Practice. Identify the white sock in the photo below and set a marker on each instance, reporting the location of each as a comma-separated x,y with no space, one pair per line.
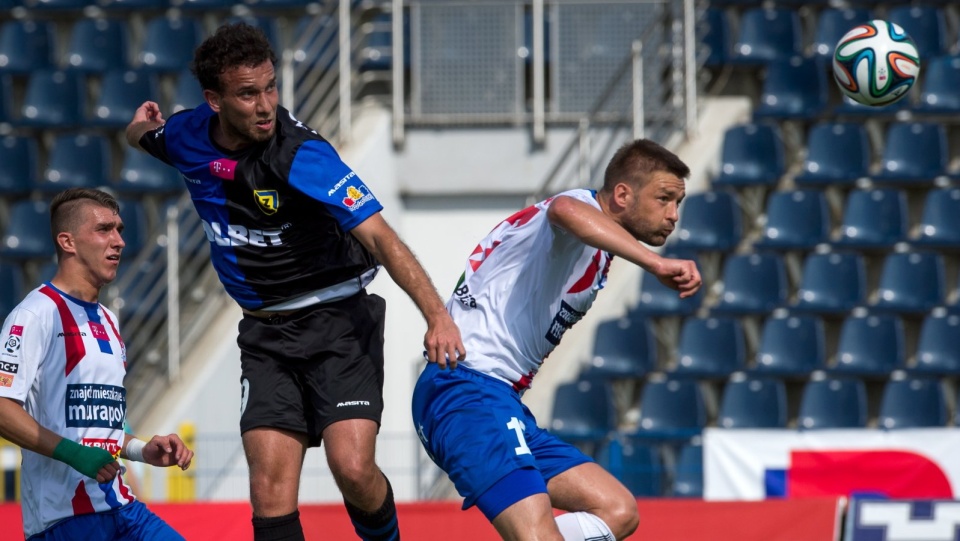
583,527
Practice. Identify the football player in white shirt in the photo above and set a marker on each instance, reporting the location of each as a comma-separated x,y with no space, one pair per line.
526,283
62,398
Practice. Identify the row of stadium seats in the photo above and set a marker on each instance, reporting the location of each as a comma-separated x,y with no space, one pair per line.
124,6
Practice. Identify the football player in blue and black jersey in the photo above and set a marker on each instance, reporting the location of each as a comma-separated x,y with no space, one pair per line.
295,237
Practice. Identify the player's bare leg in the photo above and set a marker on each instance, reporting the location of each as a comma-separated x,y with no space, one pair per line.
275,458
591,489
530,519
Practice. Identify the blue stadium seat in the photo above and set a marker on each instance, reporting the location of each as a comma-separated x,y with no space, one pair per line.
19,172
938,348
752,154
11,287
132,5
281,4
377,51
77,160
767,34
910,402
623,347
752,284
658,300
7,116
941,79
798,219
791,346
794,87
169,43
636,465
187,94
710,348
716,37
709,221
832,24
833,402
914,153
837,154
135,228
122,92
56,5
940,224
926,26
670,409
753,402
97,45
141,173
583,410
871,345
28,234
873,219
832,283
54,99
268,25
911,282
688,477
203,5
26,45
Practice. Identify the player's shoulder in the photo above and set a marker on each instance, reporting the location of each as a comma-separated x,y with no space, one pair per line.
35,306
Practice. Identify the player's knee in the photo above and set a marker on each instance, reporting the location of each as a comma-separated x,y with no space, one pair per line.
354,474
622,516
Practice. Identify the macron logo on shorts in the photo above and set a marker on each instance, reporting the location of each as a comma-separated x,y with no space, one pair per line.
353,403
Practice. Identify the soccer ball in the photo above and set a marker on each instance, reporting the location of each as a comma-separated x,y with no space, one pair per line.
876,63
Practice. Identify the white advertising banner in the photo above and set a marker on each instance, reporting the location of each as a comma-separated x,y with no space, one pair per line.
759,464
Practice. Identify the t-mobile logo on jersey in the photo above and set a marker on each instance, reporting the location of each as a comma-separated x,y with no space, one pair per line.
564,319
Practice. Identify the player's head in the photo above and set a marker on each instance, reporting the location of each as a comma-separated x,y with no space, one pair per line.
644,184
235,70
86,229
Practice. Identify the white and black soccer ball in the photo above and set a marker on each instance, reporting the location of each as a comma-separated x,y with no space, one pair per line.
876,63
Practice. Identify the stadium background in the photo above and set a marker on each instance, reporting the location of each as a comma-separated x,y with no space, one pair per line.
827,232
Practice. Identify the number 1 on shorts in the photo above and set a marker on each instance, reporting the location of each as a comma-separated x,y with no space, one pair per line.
517,426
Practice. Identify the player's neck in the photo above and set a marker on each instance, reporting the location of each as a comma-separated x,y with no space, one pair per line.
77,286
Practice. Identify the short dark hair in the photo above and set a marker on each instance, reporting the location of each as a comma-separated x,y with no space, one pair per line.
636,160
64,215
231,46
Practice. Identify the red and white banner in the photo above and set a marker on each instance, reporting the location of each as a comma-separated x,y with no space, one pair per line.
758,464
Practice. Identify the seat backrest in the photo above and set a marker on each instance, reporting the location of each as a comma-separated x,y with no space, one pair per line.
187,93
833,402
910,402
767,34
794,87
941,78
836,152
671,408
142,173
874,218
940,222
11,287
751,154
26,45
911,282
583,410
753,402
657,299
796,219
914,151
791,346
753,284
54,99
19,158
688,478
97,45
832,24
871,345
135,229
122,92
77,160
169,43
28,234
710,347
716,36
938,348
925,25
623,347
709,221
637,465
832,282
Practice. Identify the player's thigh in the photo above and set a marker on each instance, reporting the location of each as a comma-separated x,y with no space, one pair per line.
138,523
274,453
588,487
351,444
528,519
89,527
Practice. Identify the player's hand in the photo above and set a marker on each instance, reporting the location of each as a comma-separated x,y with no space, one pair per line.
166,451
443,343
108,473
679,274
148,111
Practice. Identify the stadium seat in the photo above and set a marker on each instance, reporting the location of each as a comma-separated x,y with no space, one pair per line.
268,25
26,45
623,347
832,283
767,34
911,282
670,409
97,45
941,79
871,345
122,92
752,154
203,5
793,88
135,228
716,37
54,99
709,221
28,234
688,477
940,224
281,4
710,348
169,44
832,24
19,172
187,94
910,402
636,465
938,348
377,51
791,346
837,154
914,153
77,161
873,219
658,300
752,284
753,402
132,5
11,287
141,173
7,116
832,402
583,410
798,219
55,5
926,26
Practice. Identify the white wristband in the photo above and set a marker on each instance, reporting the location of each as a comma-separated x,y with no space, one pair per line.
135,449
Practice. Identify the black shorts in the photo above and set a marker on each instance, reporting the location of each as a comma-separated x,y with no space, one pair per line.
316,366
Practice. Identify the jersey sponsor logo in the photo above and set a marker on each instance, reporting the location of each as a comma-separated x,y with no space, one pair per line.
340,183
16,330
12,368
268,200
111,446
357,197
93,405
352,403
6,380
238,235
224,168
564,319
70,333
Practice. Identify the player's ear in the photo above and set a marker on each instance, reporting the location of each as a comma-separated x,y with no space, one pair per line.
66,242
623,194
213,100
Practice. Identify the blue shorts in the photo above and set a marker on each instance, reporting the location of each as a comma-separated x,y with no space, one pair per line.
132,522
478,431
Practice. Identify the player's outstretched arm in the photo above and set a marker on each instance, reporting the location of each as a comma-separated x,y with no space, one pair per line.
17,426
442,341
596,229
161,451
147,117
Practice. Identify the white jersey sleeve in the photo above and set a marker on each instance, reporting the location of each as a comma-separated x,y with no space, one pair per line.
26,344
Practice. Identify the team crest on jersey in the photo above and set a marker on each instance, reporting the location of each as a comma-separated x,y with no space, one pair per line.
269,200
